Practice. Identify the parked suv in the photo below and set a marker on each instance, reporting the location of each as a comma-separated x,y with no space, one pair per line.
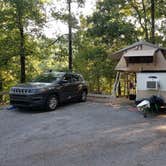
48,90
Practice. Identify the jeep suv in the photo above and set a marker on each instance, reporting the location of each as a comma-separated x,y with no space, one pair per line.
48,90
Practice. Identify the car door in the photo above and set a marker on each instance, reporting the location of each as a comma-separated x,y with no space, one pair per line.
67,87
76,85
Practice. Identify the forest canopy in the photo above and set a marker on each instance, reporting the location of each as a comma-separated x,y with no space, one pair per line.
25,51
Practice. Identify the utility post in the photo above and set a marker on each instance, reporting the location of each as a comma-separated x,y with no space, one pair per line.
70,36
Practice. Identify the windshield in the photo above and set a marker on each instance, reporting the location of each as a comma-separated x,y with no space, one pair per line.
48,78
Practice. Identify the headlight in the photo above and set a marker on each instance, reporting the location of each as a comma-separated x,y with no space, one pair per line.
41,90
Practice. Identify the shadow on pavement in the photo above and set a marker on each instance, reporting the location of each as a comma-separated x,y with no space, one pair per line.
42,110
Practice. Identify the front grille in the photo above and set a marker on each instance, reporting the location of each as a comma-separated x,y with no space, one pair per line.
21,91
29,98
25,100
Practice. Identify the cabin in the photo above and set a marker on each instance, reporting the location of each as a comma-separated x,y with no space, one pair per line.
141,71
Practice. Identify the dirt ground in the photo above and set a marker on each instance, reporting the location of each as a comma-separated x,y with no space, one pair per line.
82,134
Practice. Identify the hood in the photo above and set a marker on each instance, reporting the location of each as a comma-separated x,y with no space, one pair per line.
30,88
33,85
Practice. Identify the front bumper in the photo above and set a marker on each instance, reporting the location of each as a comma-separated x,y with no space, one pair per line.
27,100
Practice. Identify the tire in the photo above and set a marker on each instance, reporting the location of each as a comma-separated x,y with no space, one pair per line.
19,108
52,103
83,96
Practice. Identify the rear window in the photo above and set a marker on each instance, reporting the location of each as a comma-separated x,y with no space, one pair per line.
77,78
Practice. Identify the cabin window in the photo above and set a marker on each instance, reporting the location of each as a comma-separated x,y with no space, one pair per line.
148,59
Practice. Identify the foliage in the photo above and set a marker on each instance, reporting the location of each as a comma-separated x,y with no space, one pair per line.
110,24
113,25
19,15
142,15
93,61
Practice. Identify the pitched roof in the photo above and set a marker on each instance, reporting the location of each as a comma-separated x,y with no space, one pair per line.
140,53
138,44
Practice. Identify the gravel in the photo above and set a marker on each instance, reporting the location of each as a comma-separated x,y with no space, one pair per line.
82,134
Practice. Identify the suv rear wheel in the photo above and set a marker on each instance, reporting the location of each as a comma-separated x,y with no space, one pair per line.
52,103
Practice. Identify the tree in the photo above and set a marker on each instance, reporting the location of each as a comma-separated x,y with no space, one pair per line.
110,25
139,11
129,21
8,40
24,13
153,21
92,60
72,22
70,36
146,14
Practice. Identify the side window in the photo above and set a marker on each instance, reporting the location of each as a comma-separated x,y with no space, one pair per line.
75,78
67,78
81,78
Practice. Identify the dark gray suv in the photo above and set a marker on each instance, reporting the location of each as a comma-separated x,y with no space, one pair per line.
48,90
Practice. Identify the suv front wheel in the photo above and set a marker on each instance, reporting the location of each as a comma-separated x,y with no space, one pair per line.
83,96
52,103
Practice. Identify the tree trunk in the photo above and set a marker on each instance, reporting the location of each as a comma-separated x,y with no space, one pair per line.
153,21
145,21
22,56
98,84
22,43
70,37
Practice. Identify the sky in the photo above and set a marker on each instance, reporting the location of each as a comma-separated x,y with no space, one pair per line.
55,28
